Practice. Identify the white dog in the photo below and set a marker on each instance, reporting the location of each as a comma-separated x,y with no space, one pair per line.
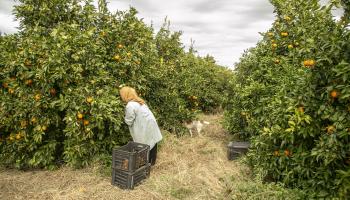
197,125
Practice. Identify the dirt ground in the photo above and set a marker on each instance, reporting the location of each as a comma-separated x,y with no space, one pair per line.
187,168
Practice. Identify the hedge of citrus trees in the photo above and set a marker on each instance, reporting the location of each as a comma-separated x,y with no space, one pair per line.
60,76
291,99
203,83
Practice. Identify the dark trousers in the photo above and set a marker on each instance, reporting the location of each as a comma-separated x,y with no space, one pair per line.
153,155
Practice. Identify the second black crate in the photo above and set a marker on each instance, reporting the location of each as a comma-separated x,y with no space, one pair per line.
130,157
128,180
236,149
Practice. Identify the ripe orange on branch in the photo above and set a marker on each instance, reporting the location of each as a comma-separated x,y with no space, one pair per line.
116,57
53,91
287,153
86,122
287,18
43,128
27,63
5,85
33,120
284,34
89,99
334,94
29,82
37,97
80,116
301,109
330,129
309,63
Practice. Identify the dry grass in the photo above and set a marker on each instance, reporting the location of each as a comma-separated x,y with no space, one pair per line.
187,168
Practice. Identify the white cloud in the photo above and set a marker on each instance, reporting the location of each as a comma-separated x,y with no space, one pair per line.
220,28
7,20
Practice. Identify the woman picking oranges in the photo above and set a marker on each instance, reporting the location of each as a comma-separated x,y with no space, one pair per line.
141,121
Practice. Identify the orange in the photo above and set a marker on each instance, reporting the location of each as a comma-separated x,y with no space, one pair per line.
274,45
120,46
33,120
116,57
306,63
24,123
309,63
276,153
80,116
334,94
37,97
89,99
29,82
27,63
301,109
277,61
290,46
44,128
312,62
287,18
330,129
287,152
86,122
5,85
53,91
284,34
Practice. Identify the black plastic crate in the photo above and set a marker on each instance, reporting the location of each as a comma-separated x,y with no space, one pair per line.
128,180
131,156
236,149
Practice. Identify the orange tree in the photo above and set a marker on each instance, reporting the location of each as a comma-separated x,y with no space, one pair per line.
204,83
60,78
200,82
291,99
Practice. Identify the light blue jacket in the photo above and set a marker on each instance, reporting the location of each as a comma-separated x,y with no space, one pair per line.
142,124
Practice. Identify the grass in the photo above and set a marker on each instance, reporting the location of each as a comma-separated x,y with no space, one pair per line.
186,168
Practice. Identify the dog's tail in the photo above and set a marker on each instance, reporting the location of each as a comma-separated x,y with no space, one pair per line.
205,122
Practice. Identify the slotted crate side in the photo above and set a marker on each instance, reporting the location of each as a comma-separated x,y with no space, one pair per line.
236,149
131,156
128,180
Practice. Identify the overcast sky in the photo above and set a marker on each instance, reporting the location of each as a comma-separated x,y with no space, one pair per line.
221,28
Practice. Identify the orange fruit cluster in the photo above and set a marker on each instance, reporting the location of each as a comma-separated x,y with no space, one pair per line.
309,63
284,34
